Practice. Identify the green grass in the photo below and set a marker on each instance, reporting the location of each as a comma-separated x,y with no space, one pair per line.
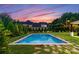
16,38
66,36
30,49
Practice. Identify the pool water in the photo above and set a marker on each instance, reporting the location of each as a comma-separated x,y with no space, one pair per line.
40,39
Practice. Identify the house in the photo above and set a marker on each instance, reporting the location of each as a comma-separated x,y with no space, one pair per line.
35,26
73,24
76,23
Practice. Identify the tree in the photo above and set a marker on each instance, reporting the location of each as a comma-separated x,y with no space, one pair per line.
4,38
5,18
62,22
20,26
11,26
9,23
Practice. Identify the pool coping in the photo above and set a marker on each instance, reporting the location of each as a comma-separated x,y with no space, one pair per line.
14,43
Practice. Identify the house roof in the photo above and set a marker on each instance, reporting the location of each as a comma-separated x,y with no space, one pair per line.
75,22
27,22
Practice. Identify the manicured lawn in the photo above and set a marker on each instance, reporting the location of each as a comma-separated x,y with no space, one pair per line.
16,38
66,36
47,49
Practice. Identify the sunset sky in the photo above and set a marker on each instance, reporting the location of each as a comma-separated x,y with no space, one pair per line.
37,12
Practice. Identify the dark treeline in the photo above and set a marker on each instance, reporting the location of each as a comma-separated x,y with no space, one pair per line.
63,23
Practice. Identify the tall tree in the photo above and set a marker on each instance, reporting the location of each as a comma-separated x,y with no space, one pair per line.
5,18
4,38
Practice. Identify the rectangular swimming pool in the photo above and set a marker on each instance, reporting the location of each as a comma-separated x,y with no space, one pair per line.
40,39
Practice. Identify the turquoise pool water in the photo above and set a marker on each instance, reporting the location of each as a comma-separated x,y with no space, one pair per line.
40,39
